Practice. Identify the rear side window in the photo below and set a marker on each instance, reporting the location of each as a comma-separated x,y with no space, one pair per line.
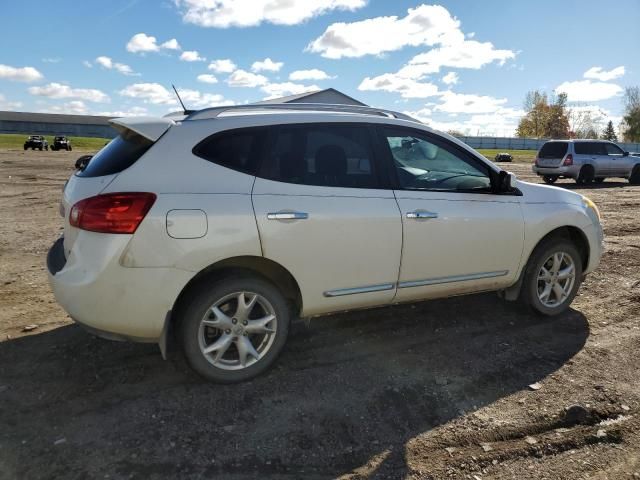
553,150
118,155
236,149
590,148
322,155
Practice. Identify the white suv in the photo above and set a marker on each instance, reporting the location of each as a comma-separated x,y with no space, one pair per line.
224,224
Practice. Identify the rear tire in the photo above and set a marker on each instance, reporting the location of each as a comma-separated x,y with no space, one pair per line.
551,293
550,179
634,178
240,354
586,175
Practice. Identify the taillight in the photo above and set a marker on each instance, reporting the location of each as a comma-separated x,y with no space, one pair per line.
112,212
536,162
568,160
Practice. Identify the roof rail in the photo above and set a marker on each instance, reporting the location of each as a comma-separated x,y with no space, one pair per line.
214,112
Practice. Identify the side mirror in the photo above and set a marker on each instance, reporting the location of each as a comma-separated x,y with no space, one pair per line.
502,181
625,154
82,162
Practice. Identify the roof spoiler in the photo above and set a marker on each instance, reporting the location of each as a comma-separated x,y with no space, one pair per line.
151,128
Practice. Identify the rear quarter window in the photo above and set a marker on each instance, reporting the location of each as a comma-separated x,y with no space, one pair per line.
235,149
118,155
553,150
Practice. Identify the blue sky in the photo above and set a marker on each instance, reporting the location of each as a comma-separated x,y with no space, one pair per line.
459,64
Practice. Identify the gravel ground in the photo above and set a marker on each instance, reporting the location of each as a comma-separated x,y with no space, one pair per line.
440,389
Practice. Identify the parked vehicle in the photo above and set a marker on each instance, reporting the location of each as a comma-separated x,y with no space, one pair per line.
585,161
36,141
504,157
61,143
224,224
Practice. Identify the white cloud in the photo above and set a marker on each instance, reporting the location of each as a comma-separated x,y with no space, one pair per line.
207,78
60,91
589,91
109,64
467,54
493,124
141,43
171,45
191,56
149,93
87,63
406,87
51,60
423,25
266,65
156,94
242,78
312,74
223,65
233,13
131,112
75,107
274,90
19,74
597,73
7,105
450,78
469,103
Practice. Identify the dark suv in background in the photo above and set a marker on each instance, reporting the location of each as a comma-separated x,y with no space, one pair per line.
36,141
61,143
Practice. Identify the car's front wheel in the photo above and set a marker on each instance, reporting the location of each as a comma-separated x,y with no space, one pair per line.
552,277
550,179
634,178
234,329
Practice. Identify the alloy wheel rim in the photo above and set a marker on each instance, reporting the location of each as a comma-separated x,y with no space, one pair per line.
556,278
237,331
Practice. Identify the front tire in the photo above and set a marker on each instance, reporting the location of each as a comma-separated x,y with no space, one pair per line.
234,329
550,179
552,277
634,178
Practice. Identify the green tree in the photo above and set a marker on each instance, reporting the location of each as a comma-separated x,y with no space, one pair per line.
545,118
631,119
610,133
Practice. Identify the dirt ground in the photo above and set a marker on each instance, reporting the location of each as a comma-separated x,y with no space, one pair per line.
433,390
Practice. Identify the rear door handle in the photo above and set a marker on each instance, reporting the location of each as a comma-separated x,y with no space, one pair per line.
419,215
287,216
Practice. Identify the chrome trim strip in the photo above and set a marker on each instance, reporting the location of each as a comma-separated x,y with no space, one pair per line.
455,278
353,291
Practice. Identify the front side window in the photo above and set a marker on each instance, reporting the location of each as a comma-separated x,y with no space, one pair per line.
425,164
613,149
322,155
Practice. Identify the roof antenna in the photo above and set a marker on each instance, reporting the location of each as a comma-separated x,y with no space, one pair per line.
186,112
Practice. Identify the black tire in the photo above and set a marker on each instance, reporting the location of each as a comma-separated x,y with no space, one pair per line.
40,148
598,180
550,179
530,284
25,147
202,299
634,178
586,175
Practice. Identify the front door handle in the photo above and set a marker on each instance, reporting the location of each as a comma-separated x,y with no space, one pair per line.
419,214
287,216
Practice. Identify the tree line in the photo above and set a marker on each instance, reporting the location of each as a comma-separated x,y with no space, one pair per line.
549,116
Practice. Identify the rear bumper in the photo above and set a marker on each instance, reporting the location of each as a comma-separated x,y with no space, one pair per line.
570,171
112,301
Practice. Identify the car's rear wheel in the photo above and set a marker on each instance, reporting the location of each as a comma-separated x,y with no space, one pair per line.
233,330
552,277
634,178
550,179
586,175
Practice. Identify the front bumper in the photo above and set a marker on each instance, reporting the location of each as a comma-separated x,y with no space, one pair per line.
112,301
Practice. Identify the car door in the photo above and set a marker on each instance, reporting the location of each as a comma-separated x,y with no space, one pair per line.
618,163
458,236
323,214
